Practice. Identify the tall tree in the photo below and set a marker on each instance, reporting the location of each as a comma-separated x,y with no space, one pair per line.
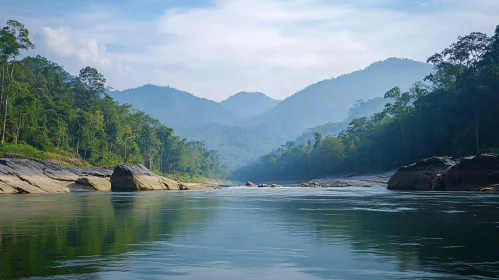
14,37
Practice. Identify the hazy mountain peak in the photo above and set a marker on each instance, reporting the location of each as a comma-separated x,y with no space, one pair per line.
249,104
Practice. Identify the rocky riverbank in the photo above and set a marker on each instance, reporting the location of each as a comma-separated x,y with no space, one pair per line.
22,175
366,180
379,179
474,173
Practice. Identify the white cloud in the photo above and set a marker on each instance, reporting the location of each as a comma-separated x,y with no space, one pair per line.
86,50
273,46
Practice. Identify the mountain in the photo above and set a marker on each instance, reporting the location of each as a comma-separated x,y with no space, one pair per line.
177,109
240,138
249,104
329,100
360,109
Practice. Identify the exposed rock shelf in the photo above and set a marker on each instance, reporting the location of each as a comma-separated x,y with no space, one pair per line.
22,175
446,174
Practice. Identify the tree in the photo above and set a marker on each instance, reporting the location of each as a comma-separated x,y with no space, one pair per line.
13,38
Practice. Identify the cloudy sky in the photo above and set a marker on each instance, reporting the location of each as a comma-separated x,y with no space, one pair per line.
215,48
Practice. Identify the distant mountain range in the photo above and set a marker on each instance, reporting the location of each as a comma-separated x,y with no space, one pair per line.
249,104
247,125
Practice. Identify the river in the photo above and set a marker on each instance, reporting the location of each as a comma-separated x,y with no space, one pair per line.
244,233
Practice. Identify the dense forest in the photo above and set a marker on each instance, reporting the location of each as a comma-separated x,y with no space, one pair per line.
44,107
454,111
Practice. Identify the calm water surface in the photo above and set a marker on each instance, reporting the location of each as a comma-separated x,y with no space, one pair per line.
241,233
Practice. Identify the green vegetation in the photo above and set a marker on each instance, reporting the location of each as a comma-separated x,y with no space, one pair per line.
24,149
48,109
454,112
242,140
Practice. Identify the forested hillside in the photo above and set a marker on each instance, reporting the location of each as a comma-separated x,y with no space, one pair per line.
454,112
47,108
240,139
360,109
329,100
249,104
175,108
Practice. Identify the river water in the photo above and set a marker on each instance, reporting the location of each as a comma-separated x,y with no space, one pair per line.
242,233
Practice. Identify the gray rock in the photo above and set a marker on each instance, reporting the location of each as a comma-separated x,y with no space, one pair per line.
471,173
421,175
129,177
28,175
97,183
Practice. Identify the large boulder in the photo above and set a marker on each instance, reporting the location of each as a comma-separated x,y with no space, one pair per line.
250,184
471,173
129,177
422,175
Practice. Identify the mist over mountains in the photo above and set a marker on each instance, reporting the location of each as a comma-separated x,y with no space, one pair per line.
248,125
249,104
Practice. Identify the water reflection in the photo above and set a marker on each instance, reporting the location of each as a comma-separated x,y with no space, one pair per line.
39,234
288,234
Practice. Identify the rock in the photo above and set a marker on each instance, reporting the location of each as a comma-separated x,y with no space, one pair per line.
491,189
28,175
274,186
128,177
198,186
250,184
471,173
97,183
421,175
263,186
93,171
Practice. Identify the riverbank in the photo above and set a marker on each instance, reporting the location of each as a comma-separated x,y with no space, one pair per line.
379,179
373,179
26,175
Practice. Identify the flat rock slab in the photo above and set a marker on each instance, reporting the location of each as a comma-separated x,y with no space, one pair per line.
97,183
26,175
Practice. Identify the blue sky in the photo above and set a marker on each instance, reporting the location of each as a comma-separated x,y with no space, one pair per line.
215,48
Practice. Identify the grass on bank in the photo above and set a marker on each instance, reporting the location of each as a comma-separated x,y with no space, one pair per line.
26,150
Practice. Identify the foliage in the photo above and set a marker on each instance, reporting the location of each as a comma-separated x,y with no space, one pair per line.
53,111
24,149
454,112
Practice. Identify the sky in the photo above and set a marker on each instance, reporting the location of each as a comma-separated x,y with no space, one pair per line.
216,48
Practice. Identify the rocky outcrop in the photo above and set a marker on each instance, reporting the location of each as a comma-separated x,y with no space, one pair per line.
94,171
250,184
446,174
471,173
198,186
22,175
490,189
128,177
269,186
96,183
27,175
421,175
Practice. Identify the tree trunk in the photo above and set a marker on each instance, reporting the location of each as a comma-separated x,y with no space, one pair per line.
18,128
4,65
477,136
7,101
125,159
5,117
